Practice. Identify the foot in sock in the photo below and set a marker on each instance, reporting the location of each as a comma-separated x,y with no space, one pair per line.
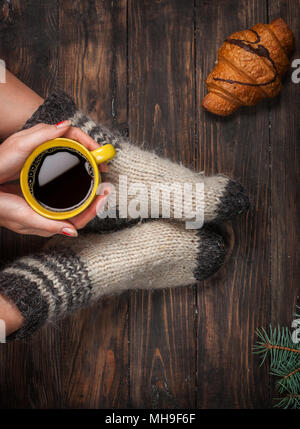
218,198
72,273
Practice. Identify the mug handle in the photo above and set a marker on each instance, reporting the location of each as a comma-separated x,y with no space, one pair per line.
104,153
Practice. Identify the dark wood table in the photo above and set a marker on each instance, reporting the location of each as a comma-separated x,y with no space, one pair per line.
140,66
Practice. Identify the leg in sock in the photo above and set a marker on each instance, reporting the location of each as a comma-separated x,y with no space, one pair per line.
223,198
72,273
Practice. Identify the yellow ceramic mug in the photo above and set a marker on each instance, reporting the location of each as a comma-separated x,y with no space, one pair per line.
94,158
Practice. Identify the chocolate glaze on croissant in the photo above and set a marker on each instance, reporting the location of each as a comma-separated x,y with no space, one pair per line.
250,67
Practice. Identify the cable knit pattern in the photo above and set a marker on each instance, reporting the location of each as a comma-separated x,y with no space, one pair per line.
74,272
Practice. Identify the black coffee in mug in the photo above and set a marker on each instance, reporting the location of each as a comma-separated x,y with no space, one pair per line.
61,179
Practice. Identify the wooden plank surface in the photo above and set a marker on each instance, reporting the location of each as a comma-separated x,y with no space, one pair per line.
285,203
31,54
92,66
81,362
161,117
141,66
239,147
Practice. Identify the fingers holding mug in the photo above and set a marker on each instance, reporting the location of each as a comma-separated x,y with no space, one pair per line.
87,141
81,137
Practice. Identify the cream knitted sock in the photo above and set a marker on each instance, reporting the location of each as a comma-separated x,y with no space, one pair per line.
73,272
218,197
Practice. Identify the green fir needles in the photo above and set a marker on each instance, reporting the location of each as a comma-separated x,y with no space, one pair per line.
283,348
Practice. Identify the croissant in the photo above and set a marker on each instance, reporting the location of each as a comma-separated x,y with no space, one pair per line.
250,67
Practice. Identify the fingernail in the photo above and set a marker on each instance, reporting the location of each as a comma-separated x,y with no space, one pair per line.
70,232
63,124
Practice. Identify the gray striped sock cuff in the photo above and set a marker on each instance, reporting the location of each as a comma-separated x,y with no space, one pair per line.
31,303
45,287
58,107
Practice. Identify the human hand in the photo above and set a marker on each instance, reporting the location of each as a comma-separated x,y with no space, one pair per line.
15,213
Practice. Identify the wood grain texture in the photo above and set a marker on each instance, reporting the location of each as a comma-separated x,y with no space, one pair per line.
140,66
92,37
82,361
161,117
285,171
232,304
31,54
285,202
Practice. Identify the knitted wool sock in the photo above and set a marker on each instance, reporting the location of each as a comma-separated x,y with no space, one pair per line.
223,198
72,273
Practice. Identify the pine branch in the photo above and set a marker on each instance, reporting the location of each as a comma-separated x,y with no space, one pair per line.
292,373
288,401
289,378
274,347
279,345
284,363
